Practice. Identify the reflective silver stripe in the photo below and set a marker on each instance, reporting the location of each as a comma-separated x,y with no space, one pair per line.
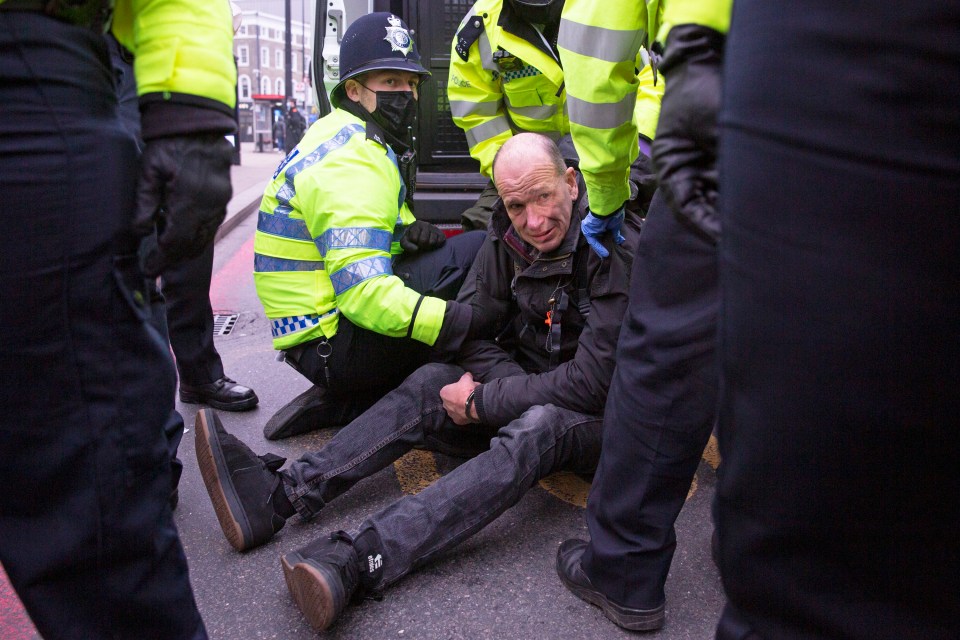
464,108
264,264
601,116
355,273
354,238
486,54
611,45
280,225
540,112
486,131
292,324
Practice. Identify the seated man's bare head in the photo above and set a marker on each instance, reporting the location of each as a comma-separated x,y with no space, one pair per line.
537,188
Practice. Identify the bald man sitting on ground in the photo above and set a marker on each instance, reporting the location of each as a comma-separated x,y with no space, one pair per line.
521,413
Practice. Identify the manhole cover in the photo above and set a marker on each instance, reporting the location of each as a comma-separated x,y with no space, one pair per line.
223,323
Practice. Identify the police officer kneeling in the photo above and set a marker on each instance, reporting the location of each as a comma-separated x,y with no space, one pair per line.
354,286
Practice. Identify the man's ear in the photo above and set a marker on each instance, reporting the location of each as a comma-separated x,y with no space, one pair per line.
352,89
570,176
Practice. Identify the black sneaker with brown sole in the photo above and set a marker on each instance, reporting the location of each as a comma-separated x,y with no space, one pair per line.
240,484
322,577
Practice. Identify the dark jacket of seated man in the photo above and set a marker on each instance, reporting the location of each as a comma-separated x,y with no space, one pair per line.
524,402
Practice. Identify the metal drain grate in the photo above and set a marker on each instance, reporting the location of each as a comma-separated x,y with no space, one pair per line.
223,323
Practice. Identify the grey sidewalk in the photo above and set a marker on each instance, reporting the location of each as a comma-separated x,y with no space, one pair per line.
249,179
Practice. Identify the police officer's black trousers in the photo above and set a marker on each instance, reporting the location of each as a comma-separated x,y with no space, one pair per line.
86,532
839,427
186,289
659,413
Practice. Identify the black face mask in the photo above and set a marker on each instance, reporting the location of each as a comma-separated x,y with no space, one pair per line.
396,111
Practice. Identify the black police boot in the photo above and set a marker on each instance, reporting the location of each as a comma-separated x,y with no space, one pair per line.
224,394
307,412
324,576
245,489
573,577
316,408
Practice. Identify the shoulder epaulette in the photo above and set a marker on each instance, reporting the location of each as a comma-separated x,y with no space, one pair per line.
467,35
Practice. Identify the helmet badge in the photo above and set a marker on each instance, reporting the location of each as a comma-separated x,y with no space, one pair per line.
398,37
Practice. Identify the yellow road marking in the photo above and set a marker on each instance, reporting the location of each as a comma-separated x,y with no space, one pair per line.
417,470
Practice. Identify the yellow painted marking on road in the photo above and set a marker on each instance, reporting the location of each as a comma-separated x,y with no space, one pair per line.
567,486
711,453
416,471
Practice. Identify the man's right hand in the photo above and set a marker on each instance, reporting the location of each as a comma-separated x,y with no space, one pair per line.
183,190
454,398
685,147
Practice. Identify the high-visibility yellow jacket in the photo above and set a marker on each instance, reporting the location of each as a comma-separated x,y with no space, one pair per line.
329,225
598,46
505,78
180,47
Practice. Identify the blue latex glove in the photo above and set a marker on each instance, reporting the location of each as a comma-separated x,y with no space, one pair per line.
593,227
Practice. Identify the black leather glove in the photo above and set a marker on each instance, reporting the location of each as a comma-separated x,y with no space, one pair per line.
685,147
422,236
643,181
184,189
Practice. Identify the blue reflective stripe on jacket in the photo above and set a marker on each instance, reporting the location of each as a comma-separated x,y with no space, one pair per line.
356,272
280,224
263,264
354,238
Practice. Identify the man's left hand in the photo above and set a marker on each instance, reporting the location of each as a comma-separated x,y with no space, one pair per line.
454,398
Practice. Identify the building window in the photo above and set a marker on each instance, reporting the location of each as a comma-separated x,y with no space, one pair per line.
279,58
243,56
293,62
264,85
271,34
280,86
242,31
264,57
243,83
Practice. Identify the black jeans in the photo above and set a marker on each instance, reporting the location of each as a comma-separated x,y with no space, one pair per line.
508,462
86,533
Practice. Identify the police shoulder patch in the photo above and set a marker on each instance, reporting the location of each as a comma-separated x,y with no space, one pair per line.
467,35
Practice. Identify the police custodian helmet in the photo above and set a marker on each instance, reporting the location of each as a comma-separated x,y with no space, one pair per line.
376,41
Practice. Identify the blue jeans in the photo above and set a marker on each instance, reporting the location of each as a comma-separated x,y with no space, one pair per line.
507,462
